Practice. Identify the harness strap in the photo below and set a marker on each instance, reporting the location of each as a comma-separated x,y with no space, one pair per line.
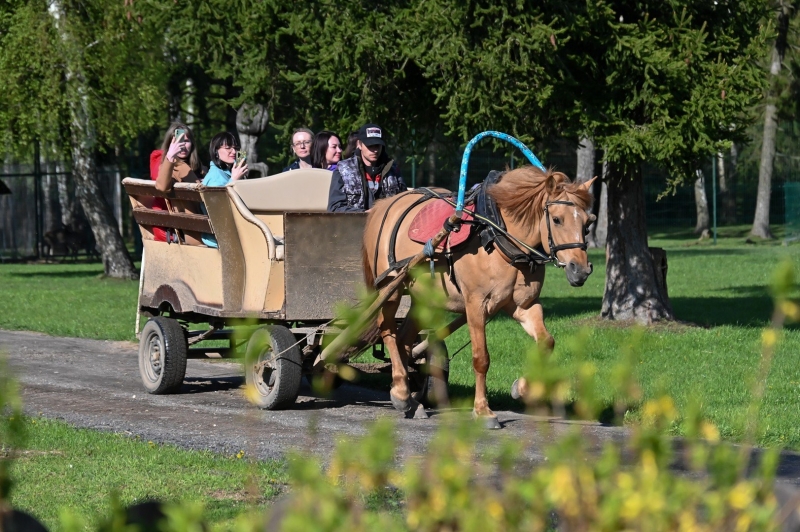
395,265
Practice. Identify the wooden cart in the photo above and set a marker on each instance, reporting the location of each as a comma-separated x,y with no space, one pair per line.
282,264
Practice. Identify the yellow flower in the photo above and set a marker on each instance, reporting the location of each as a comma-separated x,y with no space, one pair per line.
240,454
791,310
495,509
741,496
709,432
769,338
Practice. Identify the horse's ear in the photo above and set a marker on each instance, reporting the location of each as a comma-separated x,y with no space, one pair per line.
587,186
551,184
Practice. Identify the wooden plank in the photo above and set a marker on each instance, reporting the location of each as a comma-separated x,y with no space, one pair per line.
136,189
174,220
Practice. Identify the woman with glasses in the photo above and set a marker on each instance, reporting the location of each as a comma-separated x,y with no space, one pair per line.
301,146
326,150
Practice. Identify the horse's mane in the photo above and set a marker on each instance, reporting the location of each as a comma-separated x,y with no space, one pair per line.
522,193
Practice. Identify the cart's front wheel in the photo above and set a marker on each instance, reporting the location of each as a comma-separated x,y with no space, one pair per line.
432,374
162,355
273,368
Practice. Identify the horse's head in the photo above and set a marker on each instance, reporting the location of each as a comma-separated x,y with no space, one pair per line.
563,228
546,208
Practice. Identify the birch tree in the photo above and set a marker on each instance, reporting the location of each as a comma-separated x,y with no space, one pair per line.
80,76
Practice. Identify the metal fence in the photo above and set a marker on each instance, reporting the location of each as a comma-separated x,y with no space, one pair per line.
35,206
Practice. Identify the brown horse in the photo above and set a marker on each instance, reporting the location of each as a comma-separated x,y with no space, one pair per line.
486,281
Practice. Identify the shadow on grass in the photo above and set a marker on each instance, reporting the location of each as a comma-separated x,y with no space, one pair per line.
751,307
57,274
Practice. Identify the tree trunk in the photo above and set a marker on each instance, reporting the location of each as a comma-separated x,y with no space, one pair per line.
600,227
431,163
727,203
632,290
64,198
701,201
761,218
251,122
116,261
583,173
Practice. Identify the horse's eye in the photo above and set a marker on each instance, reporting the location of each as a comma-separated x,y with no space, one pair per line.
557,220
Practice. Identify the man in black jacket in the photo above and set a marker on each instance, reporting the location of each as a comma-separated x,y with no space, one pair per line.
366,176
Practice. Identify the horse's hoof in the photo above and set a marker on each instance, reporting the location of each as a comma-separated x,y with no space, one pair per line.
519,388
489,422
420,413
406,405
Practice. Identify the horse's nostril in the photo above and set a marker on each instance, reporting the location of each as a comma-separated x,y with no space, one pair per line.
573,267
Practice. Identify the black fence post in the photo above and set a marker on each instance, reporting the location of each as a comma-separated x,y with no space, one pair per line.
37,193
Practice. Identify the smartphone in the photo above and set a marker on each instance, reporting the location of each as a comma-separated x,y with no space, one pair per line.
179,132
241,158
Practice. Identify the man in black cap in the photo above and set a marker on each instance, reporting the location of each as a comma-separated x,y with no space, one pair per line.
366,176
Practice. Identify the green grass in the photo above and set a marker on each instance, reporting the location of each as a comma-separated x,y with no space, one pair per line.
64,467
67,300
719,292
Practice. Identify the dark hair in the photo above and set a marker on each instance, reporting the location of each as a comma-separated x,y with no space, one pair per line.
194,159
352,139
226,138
319,149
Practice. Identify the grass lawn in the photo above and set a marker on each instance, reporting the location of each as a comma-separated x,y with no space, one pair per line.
81,468
720,293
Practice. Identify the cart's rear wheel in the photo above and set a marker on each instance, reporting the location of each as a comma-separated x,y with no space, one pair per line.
277,384
162,355
432,374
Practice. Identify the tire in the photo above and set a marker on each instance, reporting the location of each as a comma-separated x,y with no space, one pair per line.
278,384
162,355
429,375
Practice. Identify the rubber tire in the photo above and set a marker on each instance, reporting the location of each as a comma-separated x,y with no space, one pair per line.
287,373
423,381
169,338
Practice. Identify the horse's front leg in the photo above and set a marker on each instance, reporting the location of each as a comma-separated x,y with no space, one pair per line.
476,321
387,324
532,320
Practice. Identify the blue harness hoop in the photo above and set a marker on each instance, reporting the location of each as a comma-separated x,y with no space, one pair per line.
462,180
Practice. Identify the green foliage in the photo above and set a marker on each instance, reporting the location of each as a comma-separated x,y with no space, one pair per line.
665,82
97,51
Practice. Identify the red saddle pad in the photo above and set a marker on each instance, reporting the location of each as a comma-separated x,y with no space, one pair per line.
430,220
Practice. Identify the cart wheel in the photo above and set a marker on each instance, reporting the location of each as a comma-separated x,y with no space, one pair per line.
430,374
162,355
278,383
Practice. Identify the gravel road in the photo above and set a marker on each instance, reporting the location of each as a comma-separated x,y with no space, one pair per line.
95,384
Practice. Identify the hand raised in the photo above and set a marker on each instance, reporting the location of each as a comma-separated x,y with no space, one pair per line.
239,171
175,147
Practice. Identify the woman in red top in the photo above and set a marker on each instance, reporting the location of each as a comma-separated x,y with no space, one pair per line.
176,162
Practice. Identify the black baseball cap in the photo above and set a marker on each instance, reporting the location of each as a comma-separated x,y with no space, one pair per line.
371,134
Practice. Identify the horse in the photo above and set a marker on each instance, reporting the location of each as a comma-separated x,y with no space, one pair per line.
539,208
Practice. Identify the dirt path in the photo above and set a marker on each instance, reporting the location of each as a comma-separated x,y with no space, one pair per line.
95,384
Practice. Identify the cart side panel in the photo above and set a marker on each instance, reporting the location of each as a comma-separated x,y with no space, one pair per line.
323,262
230,248
183,276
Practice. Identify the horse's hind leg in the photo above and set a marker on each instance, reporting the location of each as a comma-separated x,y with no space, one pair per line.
387,324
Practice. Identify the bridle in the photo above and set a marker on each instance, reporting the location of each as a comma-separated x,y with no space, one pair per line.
551,244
